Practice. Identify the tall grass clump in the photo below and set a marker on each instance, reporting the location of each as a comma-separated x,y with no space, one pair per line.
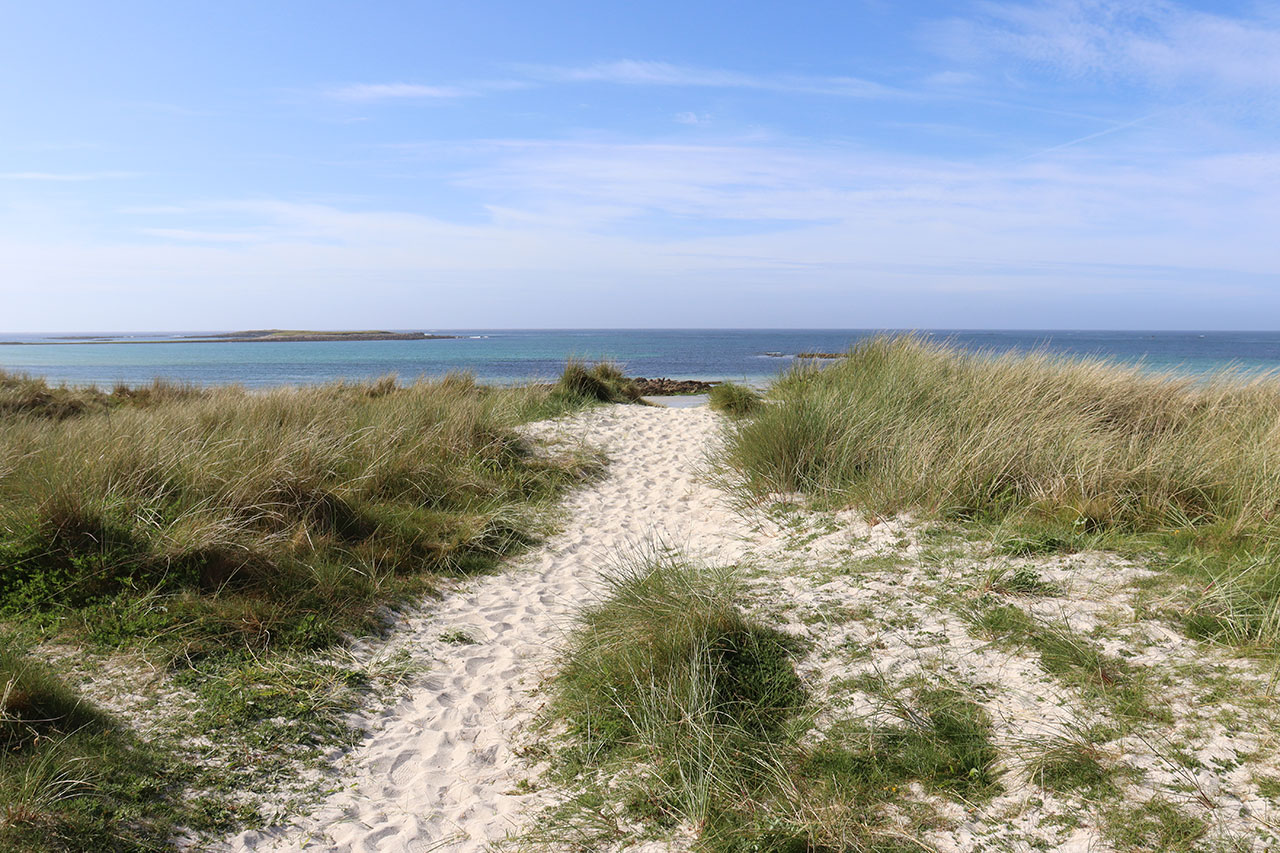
284,517
734,400
670,672
1060,450
603,382
22,395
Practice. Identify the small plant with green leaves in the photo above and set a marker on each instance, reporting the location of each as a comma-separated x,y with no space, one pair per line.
1020,580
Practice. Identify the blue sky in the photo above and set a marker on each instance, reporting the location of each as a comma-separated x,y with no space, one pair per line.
514,164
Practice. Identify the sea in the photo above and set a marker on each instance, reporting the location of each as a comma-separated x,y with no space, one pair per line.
505,356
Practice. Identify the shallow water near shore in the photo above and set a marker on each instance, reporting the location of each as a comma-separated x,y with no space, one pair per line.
504,356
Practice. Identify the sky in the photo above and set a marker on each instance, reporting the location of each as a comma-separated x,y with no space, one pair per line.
484,164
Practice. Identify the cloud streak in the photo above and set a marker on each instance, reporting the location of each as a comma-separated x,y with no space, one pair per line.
626,72
632,72
397,92
65,177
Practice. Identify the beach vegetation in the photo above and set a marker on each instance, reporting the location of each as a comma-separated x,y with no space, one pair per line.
1051,454
1070,761
22,395
234,540
683,710
1076,660
71,777
602,382
734,400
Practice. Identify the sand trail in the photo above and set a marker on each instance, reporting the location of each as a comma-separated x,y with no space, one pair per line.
440,769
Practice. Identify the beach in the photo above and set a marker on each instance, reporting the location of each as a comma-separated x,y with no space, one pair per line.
458,761
862,610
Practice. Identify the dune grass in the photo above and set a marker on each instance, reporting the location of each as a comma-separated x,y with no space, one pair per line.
603,382
71,778
233,536
668,669
1055,453
733,399
684,710
277,518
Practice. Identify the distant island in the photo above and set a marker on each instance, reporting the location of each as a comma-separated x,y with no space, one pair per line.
252,336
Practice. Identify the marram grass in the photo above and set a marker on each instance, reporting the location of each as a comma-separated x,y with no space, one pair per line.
234,534
683,708
1061,451
734,400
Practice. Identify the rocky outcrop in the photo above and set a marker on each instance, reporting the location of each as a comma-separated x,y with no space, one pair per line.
670,387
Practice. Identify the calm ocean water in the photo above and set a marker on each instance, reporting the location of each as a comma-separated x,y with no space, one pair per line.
502,356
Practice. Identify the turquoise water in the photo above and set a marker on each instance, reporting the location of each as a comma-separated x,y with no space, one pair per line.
506,355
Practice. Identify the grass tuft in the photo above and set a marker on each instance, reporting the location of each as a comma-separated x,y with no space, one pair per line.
734,400
681,709
602,382
1069,762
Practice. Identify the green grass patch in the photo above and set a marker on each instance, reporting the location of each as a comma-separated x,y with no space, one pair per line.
1154,825
1069,762
603,382
1019,580
71,778
682,709
734,400
1073,659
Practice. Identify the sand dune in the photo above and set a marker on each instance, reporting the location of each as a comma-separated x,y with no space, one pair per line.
446,767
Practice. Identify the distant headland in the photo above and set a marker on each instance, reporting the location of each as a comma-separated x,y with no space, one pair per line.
252,336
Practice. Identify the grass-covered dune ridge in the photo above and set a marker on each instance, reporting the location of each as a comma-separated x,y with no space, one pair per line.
267,513
228,538
903,423
1064,453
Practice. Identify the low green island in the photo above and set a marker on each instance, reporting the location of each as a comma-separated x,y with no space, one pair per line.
249,337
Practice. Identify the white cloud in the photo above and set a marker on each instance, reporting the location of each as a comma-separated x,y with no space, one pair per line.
397,91
632,72
692,118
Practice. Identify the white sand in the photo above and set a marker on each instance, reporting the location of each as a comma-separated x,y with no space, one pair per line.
444,770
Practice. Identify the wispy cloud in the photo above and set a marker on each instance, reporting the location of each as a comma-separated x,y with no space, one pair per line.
397,91
1151,41
65,177
369,92
632,72
625,72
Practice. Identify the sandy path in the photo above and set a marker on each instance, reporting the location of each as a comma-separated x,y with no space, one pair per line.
439,770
